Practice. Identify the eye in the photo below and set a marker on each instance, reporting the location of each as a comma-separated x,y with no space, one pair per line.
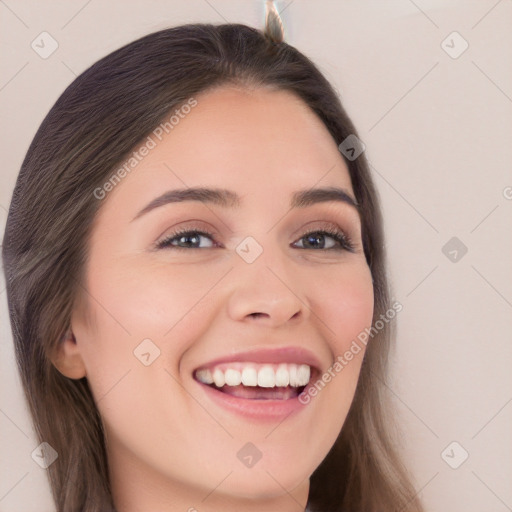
317,240
312,240
186,239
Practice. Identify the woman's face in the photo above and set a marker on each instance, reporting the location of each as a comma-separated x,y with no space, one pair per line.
257,298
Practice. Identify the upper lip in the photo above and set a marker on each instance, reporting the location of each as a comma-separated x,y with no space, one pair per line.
290,354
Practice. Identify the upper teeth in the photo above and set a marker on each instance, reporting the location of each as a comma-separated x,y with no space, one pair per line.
252,374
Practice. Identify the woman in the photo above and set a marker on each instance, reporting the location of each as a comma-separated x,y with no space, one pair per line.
195,272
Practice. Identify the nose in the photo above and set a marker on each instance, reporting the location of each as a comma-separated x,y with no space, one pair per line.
266,292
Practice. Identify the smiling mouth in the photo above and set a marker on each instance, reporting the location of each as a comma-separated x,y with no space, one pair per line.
253,381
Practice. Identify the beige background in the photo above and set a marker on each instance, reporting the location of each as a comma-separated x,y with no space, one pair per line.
438,132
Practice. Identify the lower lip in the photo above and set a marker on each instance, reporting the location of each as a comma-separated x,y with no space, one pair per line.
255,409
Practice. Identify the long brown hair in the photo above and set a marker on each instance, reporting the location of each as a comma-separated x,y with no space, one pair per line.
94,125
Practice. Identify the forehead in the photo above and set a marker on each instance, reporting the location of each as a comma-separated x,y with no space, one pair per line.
260,142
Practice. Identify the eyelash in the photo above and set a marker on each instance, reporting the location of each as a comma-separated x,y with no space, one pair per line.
344,241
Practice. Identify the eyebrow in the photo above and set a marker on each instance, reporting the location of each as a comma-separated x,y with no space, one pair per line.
229,199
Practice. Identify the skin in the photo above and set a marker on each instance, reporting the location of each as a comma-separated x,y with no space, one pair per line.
170,447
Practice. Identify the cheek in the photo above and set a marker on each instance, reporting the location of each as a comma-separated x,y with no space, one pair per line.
342,306
131,303
345,304
150,300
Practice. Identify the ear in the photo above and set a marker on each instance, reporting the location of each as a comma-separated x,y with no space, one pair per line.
67,358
